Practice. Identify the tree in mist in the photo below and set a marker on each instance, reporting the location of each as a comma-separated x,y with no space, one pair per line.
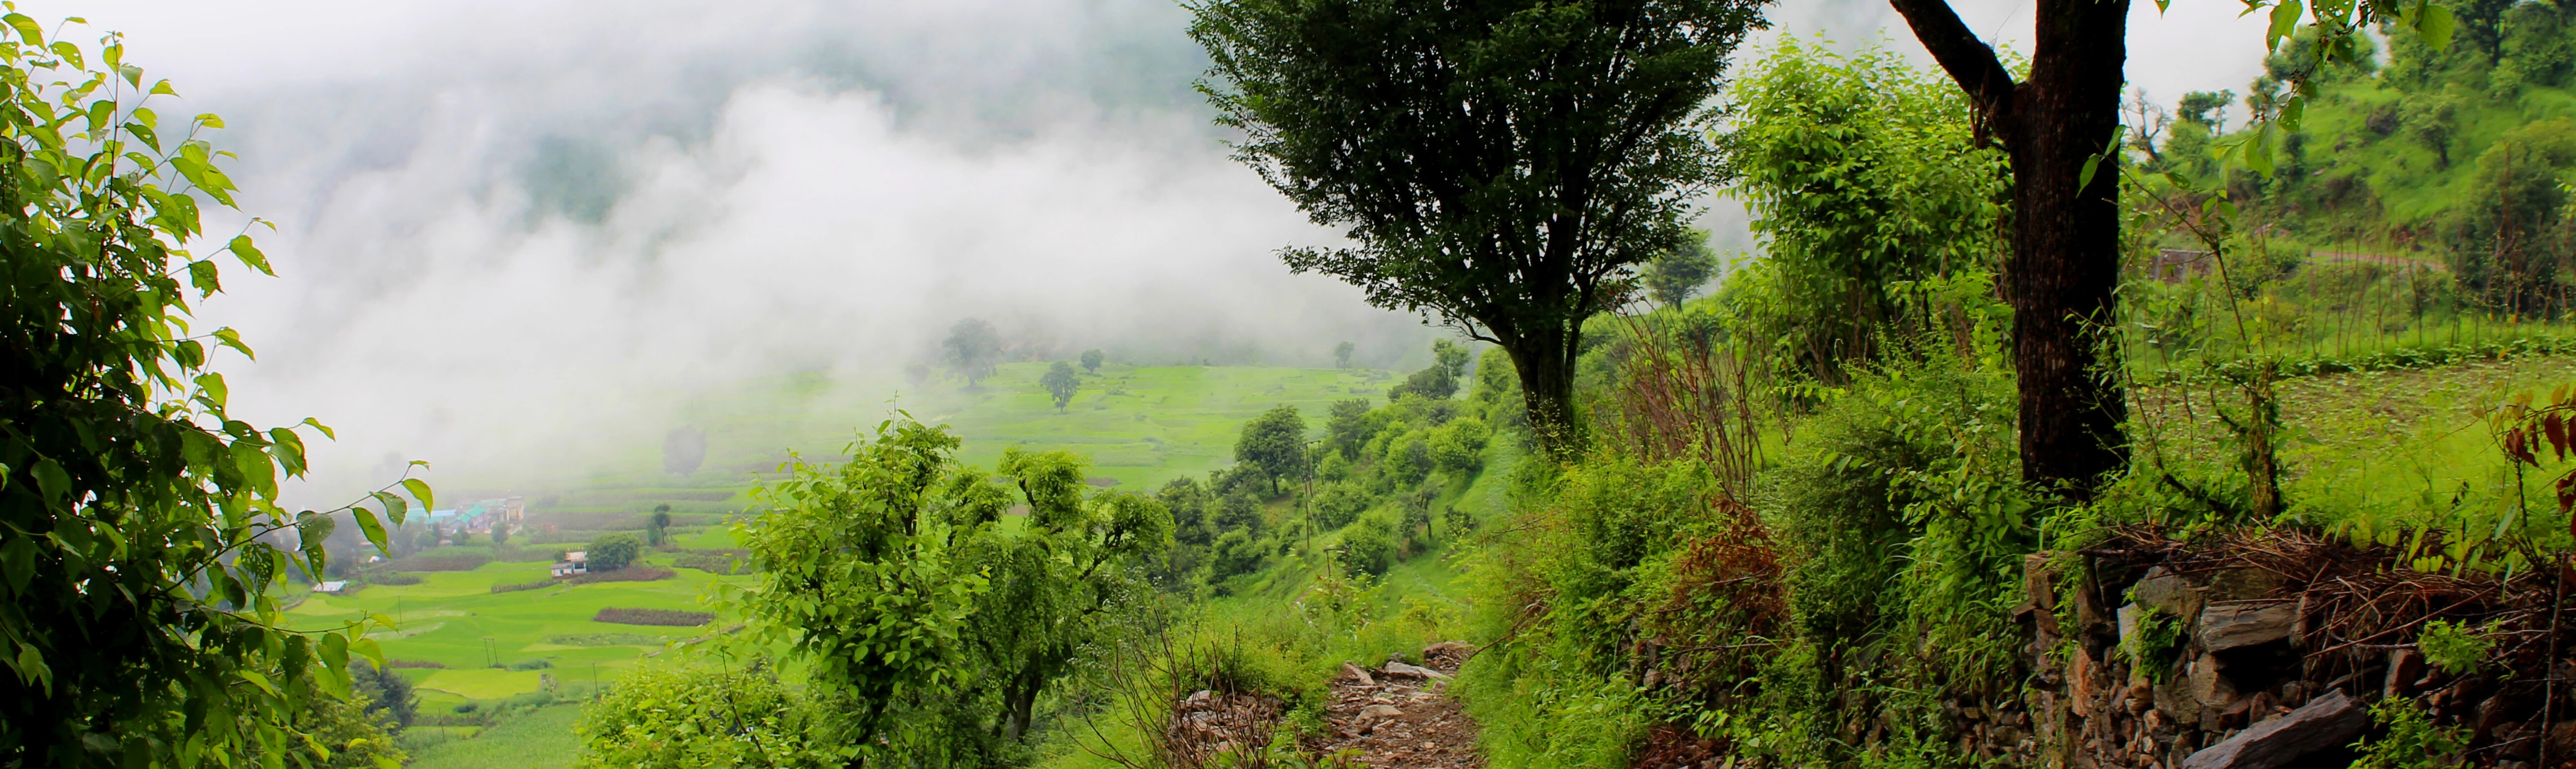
661,528
683,450
1342,355
1062,383
971,350
1274,442
1676,274
1440,379
1091,360
1499,166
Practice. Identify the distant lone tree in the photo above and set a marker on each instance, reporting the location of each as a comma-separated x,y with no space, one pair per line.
1677,274
1091,360
1061,382
683,450
500,534
1274,442
661,525
971,350
1498,166
1448,362
1342,355
613,551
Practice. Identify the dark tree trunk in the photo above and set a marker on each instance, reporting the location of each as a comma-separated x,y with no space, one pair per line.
1544,359
2065,264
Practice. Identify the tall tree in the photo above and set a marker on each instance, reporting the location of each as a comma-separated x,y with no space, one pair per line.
971,350
2065,259
1677,274
1342,355
1061,383
1498,164
1091,360
1275,442
2058,128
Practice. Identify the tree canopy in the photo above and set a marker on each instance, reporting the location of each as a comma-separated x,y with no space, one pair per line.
1499,166
1676,274
1440,379
972,350
614,550
1091,360
1061,383
1274,442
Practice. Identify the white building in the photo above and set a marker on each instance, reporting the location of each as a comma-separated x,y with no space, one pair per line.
575,562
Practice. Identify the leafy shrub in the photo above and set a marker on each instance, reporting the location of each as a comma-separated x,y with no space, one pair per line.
701,715
1337,504
415,664
1459,446
525,665
1237,552
2454,648
614,550
2411,741
1369,545
668,617
394,578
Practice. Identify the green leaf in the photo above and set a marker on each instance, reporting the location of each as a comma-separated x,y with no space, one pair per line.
2285,20
51,481
395,507
69,52
27,29
250,255
326,429
212,384
419,490
366,647
256,679
229,338
163,88
210,120
373,528
2435,24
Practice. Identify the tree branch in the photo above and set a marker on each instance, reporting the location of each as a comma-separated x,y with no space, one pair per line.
1968,60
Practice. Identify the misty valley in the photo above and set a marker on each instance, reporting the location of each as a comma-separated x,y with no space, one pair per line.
1306,384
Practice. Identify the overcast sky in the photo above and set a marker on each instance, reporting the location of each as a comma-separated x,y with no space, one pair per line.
514,232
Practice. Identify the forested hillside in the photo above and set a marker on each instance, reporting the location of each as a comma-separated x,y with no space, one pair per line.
2278,471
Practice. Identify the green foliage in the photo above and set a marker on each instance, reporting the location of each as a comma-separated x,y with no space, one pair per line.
1442,136
1091,360
614,550
1061,383
2156,643
971,350
1275,443
1369,545
1677,274
2412,741
1440,380
1863,182
698,714
142,540
1342,355
2454,648
931,628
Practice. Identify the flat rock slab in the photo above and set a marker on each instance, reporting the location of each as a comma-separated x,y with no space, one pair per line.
2236,625
1401,670
2325,722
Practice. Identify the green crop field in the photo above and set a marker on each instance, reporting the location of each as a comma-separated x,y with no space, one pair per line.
1141,426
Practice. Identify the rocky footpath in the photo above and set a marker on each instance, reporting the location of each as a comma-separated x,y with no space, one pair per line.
1399,715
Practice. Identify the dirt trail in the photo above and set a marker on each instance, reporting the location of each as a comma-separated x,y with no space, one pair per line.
1399,715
